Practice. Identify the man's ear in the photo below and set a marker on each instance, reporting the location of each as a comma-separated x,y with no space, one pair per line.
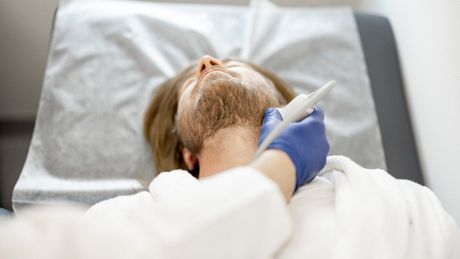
190,159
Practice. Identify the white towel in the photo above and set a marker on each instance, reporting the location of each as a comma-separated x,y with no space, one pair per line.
353,212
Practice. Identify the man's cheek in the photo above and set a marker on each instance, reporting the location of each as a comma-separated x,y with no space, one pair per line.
183,104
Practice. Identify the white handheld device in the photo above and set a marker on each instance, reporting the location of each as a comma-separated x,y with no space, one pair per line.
296,110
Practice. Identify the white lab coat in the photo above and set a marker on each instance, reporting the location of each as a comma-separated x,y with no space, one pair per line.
237,214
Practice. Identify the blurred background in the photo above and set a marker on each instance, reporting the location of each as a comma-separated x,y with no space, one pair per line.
427,35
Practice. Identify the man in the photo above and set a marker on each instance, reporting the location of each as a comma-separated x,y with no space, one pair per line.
209,117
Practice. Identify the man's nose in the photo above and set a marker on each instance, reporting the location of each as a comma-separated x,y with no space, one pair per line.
207,62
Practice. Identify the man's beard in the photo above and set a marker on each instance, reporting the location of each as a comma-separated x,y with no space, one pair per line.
221,104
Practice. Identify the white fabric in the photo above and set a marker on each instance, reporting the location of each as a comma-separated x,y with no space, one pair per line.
222,217
349,212
106,58
353,212
237,214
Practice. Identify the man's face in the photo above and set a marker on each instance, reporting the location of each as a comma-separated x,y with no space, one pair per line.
221,95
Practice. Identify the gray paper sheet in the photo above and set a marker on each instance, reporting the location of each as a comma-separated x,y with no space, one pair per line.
106,58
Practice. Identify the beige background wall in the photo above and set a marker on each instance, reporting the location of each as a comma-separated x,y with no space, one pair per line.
427,36
24,31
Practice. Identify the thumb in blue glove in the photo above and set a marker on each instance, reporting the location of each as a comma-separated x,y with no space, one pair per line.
304,142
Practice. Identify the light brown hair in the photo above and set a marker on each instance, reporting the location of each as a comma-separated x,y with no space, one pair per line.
160,121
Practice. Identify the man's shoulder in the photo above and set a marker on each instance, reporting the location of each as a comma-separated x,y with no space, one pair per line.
319,192
173,179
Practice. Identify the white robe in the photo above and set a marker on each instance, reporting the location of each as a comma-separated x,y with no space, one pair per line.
353,212
347,212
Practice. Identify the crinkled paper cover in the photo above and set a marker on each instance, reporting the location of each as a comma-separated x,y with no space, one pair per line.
106,58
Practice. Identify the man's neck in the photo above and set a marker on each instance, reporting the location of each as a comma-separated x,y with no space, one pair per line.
228,148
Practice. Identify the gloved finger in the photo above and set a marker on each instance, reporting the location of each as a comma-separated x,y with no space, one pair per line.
272,115
272,118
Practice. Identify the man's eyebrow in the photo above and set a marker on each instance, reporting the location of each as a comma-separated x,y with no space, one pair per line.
187,77
191,72
233,63
187,82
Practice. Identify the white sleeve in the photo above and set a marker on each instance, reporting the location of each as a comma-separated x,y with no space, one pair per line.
238,213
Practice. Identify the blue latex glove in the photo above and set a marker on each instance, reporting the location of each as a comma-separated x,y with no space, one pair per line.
305,142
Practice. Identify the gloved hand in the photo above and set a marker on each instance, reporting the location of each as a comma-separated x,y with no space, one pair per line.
304,142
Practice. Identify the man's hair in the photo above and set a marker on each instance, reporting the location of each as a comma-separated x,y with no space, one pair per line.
160,118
